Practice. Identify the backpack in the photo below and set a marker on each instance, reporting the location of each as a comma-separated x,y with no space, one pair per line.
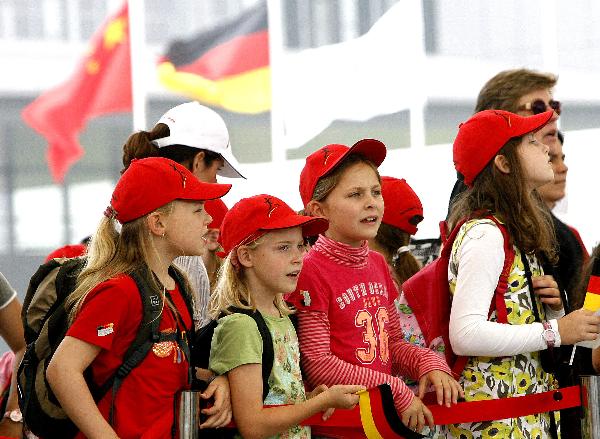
428,294
202,342
45,321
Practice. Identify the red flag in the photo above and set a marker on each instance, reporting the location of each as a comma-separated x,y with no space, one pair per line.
101,84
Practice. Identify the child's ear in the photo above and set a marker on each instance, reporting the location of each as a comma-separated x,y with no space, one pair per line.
244,256
501,163
156,224
314,208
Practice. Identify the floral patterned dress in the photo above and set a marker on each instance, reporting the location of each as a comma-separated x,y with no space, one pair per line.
498,377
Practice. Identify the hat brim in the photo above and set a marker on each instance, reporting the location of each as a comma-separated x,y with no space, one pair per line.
200,191
533,123
311,226
372,149
230,165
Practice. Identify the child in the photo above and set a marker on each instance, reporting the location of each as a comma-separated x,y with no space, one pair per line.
503,164
348,325
217,210
403,212
264,240
159,206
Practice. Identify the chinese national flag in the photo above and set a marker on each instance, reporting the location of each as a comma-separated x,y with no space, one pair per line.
101,84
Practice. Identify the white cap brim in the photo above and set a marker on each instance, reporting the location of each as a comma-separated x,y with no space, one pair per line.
230,165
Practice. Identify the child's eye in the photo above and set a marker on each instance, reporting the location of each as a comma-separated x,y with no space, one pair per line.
376,192
302,247
355,194
283,247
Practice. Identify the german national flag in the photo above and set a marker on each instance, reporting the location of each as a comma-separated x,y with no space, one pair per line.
379,417
227,66
592,295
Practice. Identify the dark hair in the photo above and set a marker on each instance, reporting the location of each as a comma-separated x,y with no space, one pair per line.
391,239
139,145
503,91
505,195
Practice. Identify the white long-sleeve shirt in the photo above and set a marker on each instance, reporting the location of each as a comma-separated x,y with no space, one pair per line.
480,260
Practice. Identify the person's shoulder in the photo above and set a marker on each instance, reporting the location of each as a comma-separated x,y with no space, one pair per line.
120,287
236,321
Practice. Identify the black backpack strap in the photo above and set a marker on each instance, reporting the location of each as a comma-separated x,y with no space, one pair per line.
268,355
148,334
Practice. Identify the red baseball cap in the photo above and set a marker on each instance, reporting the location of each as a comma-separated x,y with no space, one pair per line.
481,137
326,159
217,210
67,251
262,213
150,183
403,208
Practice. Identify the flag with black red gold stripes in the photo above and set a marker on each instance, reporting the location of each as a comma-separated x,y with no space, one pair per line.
227,66
379,417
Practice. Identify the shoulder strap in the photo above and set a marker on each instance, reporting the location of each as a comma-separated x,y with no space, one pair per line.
502,287
268,355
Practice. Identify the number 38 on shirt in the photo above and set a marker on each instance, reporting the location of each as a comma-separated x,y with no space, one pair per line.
375,335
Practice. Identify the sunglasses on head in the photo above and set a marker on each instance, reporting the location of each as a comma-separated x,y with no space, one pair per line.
539,106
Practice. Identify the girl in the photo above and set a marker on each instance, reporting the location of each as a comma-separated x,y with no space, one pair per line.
503,164
159,206
217,210
196,137
264,240
403,212
348,325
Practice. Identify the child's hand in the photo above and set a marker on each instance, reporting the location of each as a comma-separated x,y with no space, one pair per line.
578,325
446,387
547,289
342,396
317,390
219,415
416,415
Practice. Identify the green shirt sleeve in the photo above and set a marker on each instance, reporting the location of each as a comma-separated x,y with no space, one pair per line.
236,342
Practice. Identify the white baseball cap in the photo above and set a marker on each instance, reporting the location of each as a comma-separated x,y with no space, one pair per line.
195,125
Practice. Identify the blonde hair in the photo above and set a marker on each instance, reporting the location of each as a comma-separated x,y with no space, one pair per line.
111,253
231,290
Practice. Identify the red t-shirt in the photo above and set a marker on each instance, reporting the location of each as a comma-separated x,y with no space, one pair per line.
355,301
109,318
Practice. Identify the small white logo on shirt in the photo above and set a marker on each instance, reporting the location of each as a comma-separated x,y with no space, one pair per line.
306,296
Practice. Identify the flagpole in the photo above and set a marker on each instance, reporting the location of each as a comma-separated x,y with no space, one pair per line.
137,40
276,51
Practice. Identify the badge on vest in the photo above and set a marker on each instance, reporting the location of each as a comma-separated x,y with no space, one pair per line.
104,330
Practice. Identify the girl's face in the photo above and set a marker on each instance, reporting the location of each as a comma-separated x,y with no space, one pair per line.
212,236
354,207
186,226
207,174
276,263
535,161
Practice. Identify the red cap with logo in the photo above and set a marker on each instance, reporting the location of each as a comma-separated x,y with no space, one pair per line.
150,183
481,137
251,217
217,210
403,208
326,159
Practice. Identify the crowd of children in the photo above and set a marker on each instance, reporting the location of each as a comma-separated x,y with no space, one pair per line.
323,288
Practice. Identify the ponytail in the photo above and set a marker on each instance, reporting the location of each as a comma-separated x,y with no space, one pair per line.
395,244
139,145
